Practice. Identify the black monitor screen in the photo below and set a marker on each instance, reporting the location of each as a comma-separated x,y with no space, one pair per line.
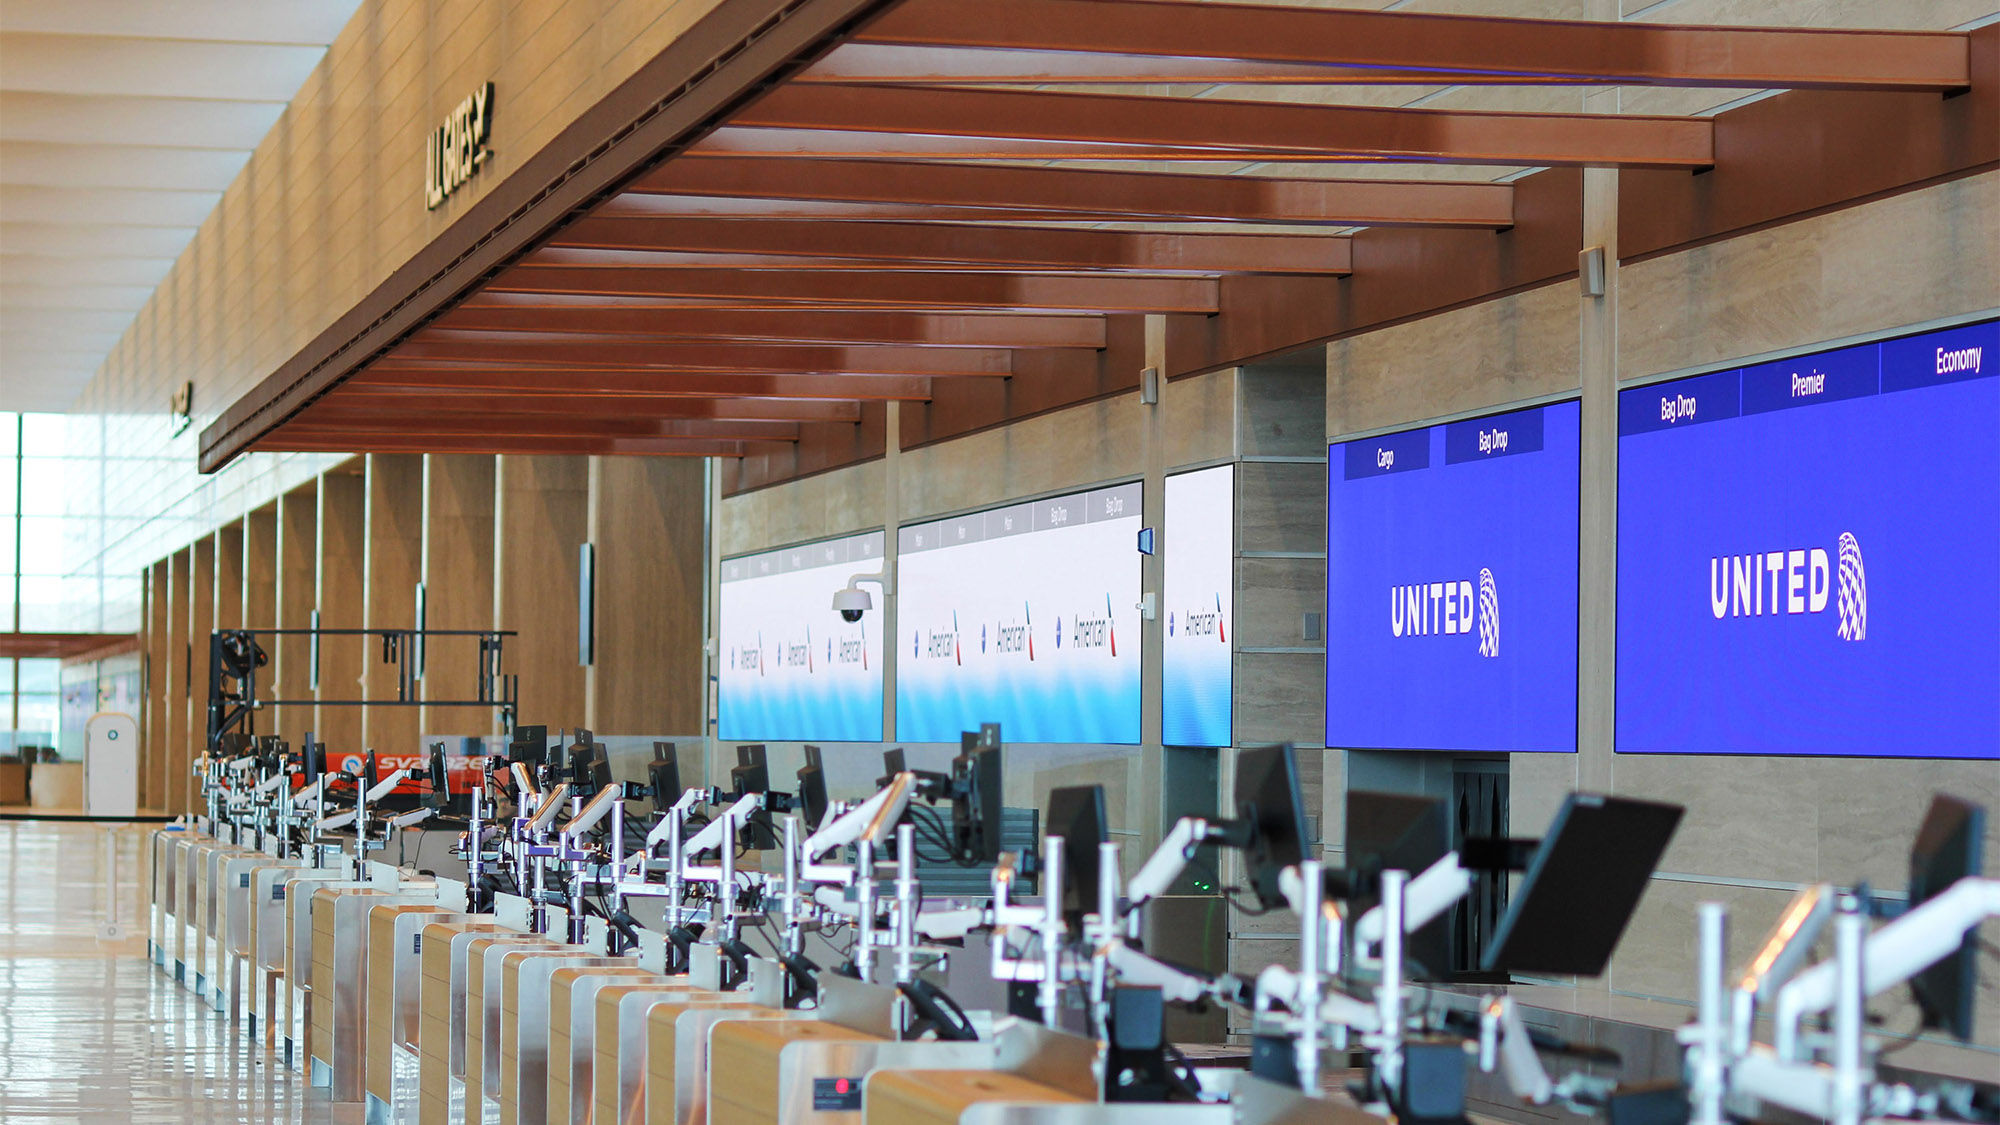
976,812
752,774
530,745
812,790
1267,795
1076,813
1947,849
1399,832
1582,885
663,776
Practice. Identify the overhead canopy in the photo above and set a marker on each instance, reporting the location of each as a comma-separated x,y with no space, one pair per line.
965,205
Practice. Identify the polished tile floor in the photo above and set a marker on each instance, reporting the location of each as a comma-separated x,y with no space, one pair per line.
90,1032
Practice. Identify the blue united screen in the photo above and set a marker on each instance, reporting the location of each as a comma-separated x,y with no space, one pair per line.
1451,585
1809,555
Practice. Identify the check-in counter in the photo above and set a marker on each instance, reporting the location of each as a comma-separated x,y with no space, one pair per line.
299,946
163,888
482,1019
676,1042
1038,1076
235,912
573,1034
264,949
618,1068
395,980
524,1031
181,932
441,1032
282,944
340,981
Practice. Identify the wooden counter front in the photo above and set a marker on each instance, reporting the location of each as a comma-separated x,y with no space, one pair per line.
676,1045
744,1055
939,1097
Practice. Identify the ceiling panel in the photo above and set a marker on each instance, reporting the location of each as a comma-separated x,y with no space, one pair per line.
84,119
119,166
34,203
44,269
121,123
155,68
85,240
305,23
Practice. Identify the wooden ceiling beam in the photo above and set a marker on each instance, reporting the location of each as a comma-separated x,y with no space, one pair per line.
431,424
1000,192
1011,40
278,441
667,357
342,408
893,121
1024,247
649,385
906,290
804,327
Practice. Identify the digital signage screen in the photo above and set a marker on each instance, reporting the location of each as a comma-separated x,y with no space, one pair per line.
791,669
1451,585
1809,555
1023,616
1199,560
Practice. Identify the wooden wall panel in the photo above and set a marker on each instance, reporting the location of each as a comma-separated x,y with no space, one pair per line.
177,676
458,587
260,599
342,527
297,574
153,714
393,566
201,623
543,506
647,519
229,576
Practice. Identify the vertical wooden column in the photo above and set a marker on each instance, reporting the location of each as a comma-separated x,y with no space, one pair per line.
296,573
159,640
201,623
178,675
260,600
341,524
647,521
458,588
229,540
395,491
543,516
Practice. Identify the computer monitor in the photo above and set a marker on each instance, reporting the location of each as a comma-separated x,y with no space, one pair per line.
1267,797
440,777
663,776
893,763
812,790
977,792
752,773
1076,813
1583,883
1400,832
529,745
589,765
312,760
1948,848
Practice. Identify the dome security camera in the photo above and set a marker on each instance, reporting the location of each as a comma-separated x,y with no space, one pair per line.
852,602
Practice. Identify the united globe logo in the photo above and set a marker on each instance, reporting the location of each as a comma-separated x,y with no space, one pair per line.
1853,602
1489,615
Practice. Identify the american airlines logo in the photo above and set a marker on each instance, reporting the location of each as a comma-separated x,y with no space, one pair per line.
1803,580
1449,609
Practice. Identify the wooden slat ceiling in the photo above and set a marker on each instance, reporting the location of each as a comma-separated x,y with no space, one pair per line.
965,189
